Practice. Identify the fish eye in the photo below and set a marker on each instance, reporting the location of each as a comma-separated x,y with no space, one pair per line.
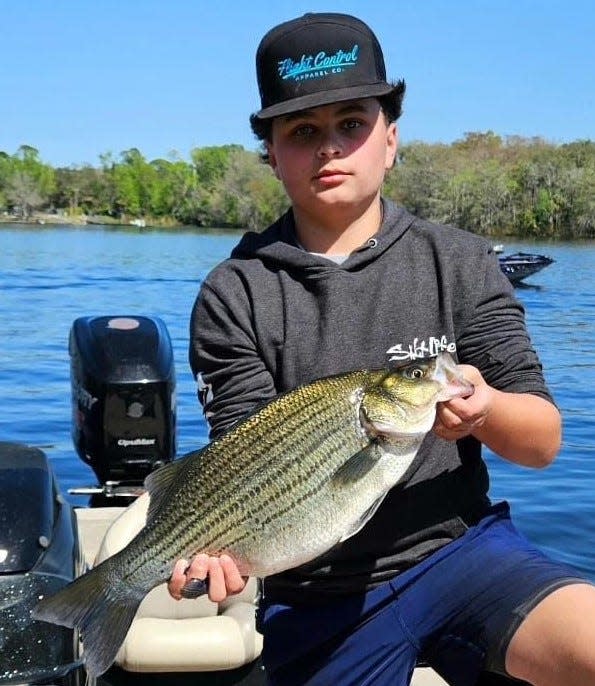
415,372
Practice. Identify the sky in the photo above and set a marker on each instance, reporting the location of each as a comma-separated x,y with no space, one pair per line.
82,78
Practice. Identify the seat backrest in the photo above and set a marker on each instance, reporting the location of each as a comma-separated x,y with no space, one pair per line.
158,603
124,528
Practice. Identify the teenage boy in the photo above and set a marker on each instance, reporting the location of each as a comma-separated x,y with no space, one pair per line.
346,280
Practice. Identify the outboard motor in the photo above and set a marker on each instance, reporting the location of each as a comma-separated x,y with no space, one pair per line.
39,555
123,398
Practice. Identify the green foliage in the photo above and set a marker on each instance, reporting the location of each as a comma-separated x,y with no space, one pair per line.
250,194
26,183
482,183
494,186
210,164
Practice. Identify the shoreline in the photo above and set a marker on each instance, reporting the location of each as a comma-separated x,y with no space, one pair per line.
45,219
32,221
42,221
41,218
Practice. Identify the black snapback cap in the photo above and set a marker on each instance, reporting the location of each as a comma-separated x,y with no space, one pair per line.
318,59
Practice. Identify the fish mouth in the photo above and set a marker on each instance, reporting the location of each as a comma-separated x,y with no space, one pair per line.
455,385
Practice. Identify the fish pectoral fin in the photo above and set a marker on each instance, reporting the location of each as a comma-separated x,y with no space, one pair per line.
357,466
158,482
363,520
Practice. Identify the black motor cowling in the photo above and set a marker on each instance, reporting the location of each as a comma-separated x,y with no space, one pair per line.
123,395
39,555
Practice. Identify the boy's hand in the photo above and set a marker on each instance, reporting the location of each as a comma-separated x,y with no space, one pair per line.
460,417
223,576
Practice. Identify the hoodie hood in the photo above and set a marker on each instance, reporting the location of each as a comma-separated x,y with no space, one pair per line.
278,244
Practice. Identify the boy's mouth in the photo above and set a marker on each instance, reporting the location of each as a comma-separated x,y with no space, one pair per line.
328,175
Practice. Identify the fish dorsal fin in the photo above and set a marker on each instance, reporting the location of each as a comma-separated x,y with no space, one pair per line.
363,520
357,466
158,482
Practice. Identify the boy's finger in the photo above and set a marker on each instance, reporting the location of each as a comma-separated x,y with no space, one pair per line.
217,588
198,568
234,581
177,579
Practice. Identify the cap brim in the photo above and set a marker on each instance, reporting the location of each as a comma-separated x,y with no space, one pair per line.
325,97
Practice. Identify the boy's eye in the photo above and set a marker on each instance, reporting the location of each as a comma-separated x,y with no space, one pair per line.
303,130
352,124
307,130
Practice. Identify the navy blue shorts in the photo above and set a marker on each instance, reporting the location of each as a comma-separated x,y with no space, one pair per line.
457,611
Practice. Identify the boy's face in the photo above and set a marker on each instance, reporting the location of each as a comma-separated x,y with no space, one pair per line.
333,156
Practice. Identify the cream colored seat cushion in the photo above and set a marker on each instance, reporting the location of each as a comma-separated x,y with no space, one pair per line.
186,635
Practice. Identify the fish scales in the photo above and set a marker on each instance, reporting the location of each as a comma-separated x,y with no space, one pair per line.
314,408
206,525
278,489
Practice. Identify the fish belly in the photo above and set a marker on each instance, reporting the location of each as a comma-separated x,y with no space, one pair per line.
310,528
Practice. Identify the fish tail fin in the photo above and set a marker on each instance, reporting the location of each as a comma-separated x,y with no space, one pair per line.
101,606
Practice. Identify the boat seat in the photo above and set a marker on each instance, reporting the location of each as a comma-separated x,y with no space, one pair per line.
185,635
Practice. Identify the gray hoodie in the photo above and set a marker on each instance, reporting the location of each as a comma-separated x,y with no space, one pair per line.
273,317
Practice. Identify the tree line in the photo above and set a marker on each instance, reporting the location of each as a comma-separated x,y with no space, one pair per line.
484,183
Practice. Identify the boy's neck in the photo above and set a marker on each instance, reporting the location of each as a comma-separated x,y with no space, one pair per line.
338,233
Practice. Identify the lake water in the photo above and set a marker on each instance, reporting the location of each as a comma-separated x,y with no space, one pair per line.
49,276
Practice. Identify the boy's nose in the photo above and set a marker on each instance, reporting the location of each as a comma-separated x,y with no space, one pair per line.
329,146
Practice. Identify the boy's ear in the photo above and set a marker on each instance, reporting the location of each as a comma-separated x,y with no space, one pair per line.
392,143
272,160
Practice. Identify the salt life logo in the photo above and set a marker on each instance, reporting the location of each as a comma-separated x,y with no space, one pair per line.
316,66
420,349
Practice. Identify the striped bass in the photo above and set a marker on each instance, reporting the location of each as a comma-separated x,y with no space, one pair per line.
283,486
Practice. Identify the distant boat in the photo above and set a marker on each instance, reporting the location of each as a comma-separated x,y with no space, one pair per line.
520,265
